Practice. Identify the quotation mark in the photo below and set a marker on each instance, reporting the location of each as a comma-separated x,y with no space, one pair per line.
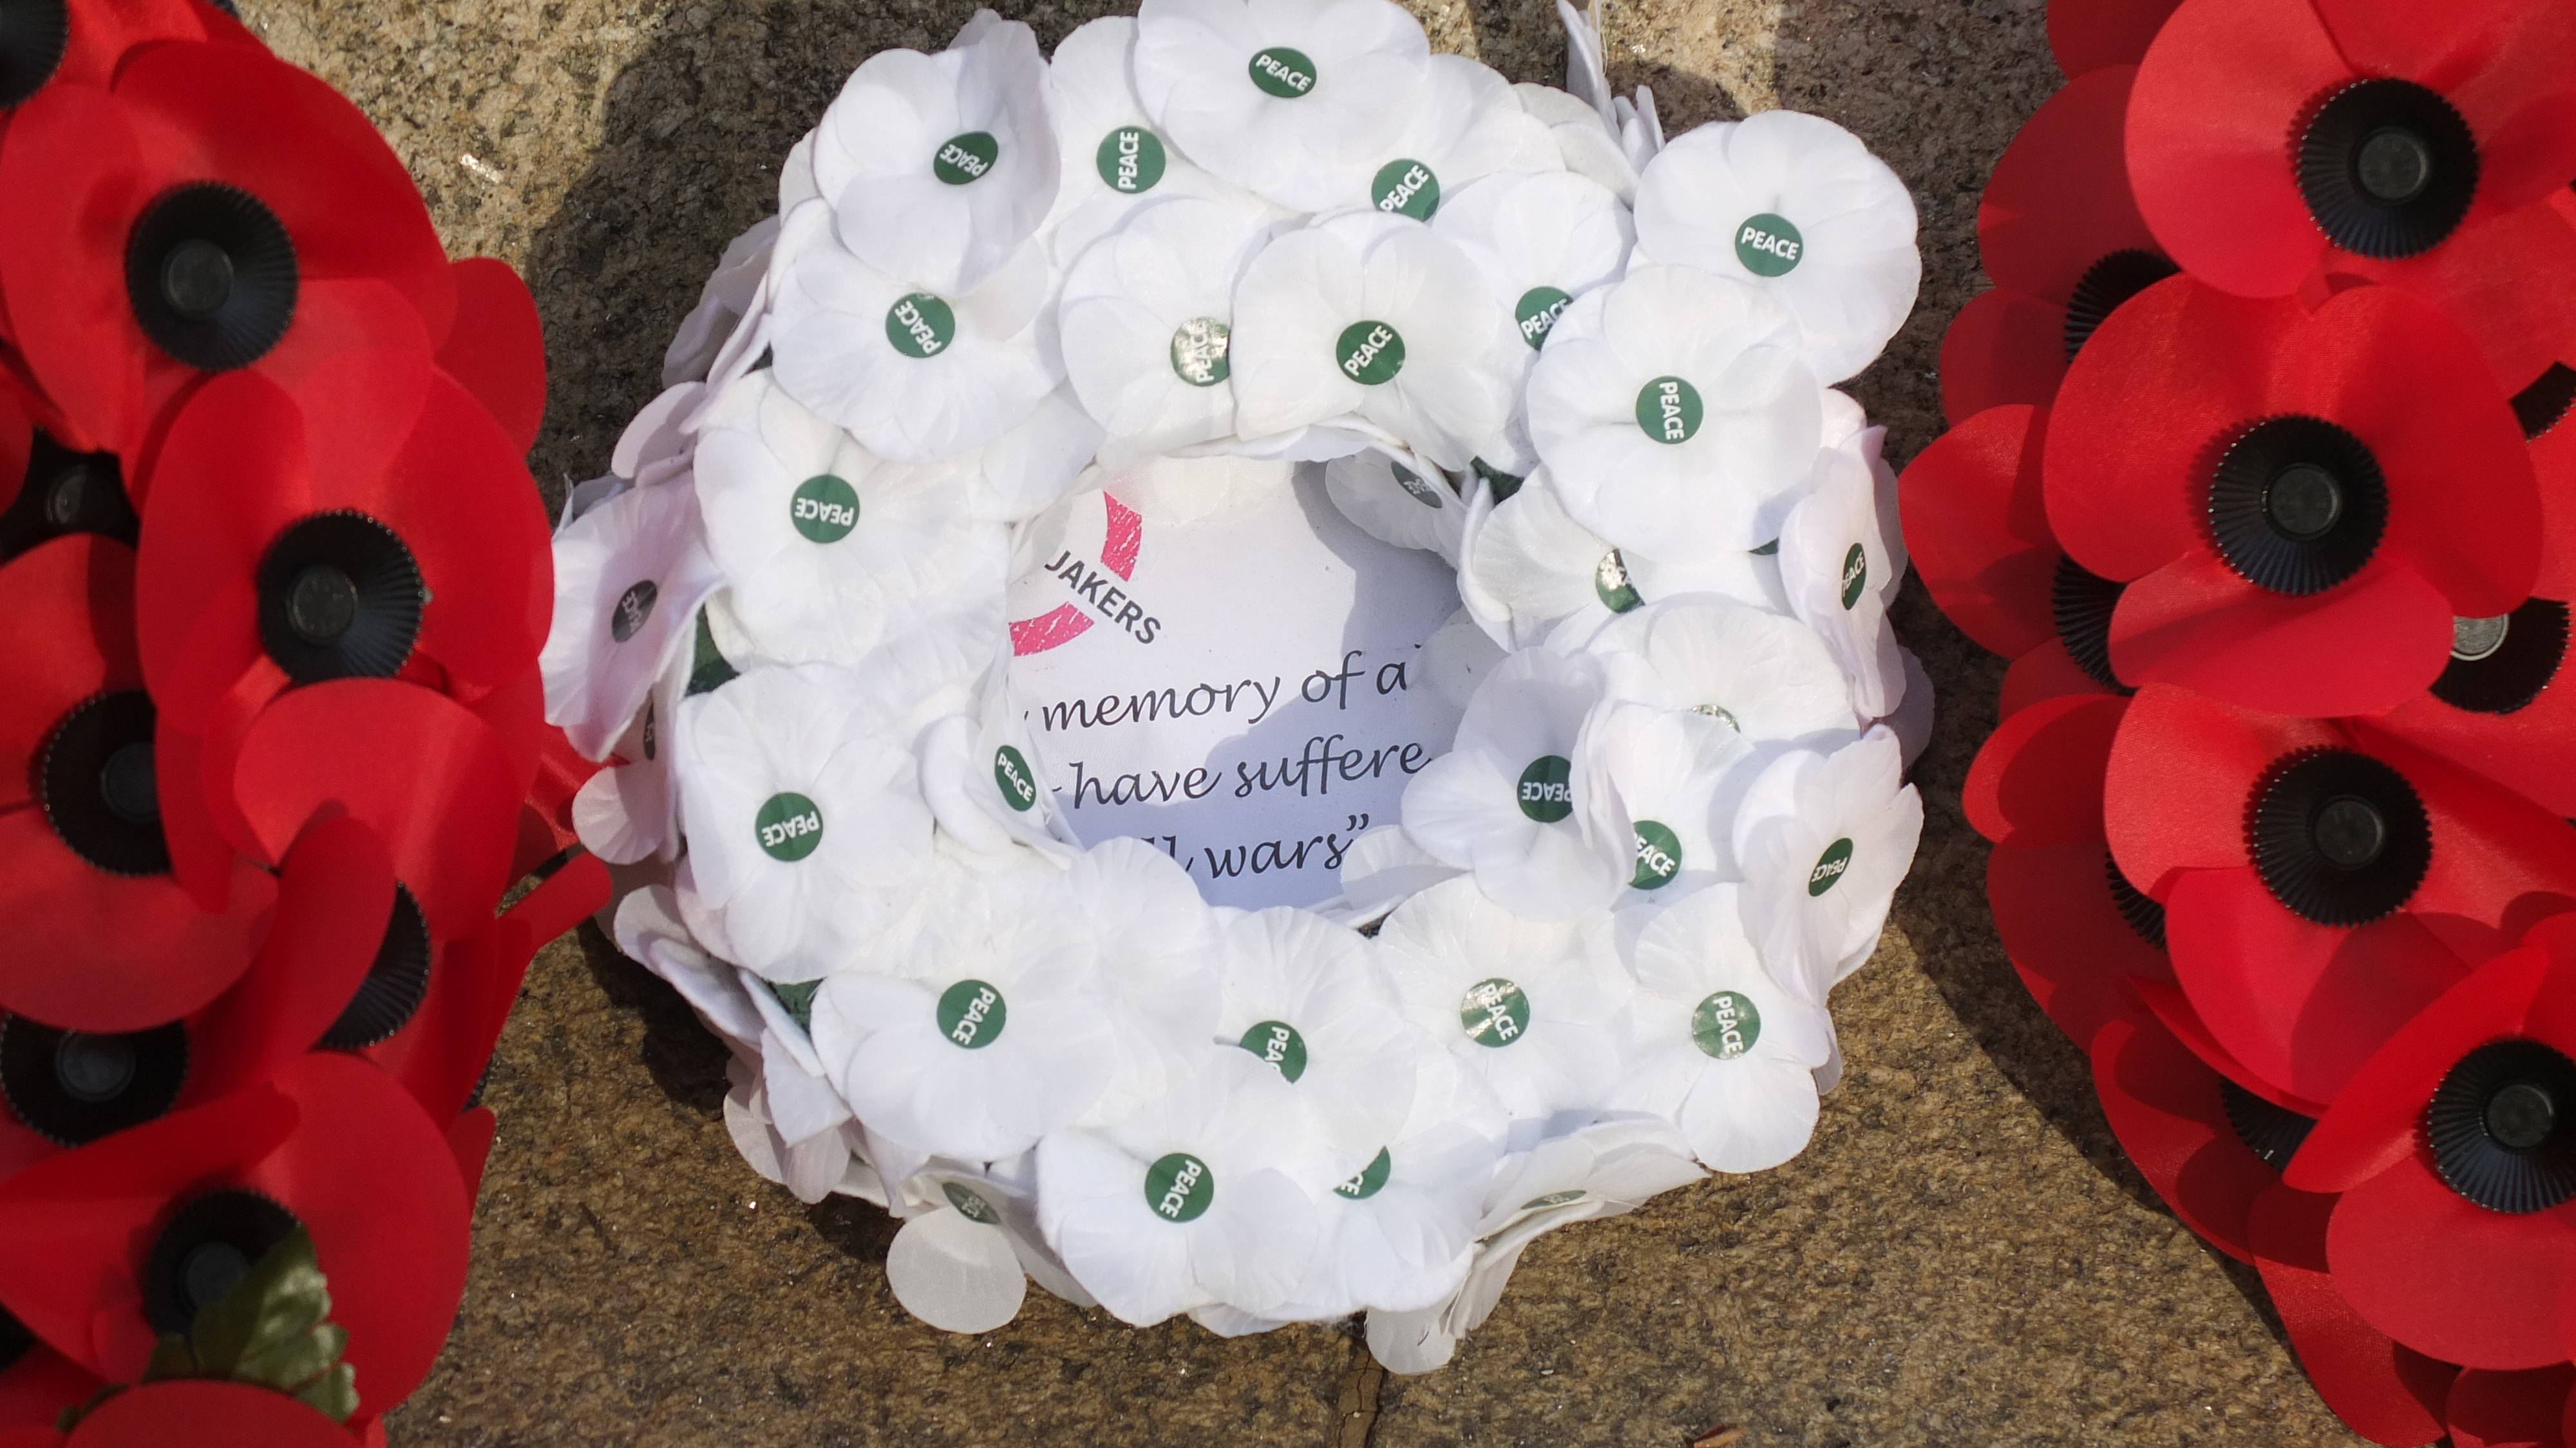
1357,823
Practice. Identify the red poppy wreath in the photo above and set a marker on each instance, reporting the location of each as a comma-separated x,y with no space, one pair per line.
2258,475
273,581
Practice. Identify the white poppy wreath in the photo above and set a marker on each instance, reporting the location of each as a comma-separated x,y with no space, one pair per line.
1200,251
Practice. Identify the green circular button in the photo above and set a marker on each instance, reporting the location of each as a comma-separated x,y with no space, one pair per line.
1370,353
920,325
1130,159
824,509
965,158
1546,788
790,826
1769,245
1405,187
1179,1187
1283,72
1726,1025
972,1014
1668,409
1494,1012
1829,867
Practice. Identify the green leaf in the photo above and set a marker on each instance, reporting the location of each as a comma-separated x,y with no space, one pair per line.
335,1393
271,1331
171,1358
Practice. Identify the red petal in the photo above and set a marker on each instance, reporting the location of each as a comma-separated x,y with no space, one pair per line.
2147,408
2173,1010
2002,348
61,269
102,32
497,348
2385,1392
201,859
415,766
2089,34
2218,95
2449,1278
2532,749
2059,198
2053,911
67,631
334,896
236,470
373,1180
470,1138
2500,863
93,1211
204,1413
235,114
357,368
2038,778
35,1390
2553,466
1976,526
2182,773
440,1053
2508,278
99,952
2371,1126
545,822
2360,647
2046,672
2165,1107
2406,380
460,496
2504,63
2301,1004
2509,1410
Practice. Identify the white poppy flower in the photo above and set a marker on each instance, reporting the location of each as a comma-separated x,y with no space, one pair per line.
1157,944
1603,1169
980,775
1112,157
1407,503
1286,97
1369,314
1510,801
1722,1050
978,1026
1583,141
1530,567
1797,206
1306,996
1181,1204
963,1265
1671,774
804,820
1147,320
1399,1233
938,167
629,576
1469,126
1534,1009
1675,414
630,811
723,303
1769,678
919,678
914,374
828,551
1541,241
1832,561
1823,840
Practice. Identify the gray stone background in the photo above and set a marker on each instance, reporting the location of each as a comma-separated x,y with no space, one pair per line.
1962,1257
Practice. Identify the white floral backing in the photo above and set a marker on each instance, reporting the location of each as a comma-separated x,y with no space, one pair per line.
1200,249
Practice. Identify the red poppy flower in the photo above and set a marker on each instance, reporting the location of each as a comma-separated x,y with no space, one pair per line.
497,347
2087,35
2207,1145
291,544
2321,882
206,1414
2076,930
2387,1392
127,1238
198,214
2454,1150
2060,235
1976,524
2299,502
2415,132
102,937
2510,1410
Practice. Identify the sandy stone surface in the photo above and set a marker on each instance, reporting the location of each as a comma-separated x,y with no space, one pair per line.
1962,1257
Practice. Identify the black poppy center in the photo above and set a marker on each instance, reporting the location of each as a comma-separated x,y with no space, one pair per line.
65,492
2297,505
2388,168
2501,664
339,597
2496,1126
2082,604
209,1245
2272,1132
33,34
2104,286
2145,916
96,783
210,273
2539,406
396,982
2339,838
74,1087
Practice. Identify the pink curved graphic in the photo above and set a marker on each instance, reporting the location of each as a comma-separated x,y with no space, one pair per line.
1064,623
